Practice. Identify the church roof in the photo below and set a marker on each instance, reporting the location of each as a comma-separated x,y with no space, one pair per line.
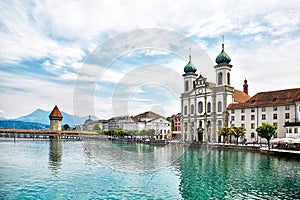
190,68
271,98
55,114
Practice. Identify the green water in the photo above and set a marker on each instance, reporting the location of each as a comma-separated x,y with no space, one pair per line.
113,170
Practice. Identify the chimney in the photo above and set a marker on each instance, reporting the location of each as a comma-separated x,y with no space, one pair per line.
245,86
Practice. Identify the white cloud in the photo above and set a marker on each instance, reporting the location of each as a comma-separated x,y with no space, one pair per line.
261,40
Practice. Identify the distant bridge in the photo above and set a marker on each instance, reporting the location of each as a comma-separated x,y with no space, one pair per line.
46,134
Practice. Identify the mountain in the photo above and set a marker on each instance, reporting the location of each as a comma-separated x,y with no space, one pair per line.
42,116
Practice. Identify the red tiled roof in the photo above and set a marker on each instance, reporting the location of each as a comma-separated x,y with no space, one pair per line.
272,98
147,114
55,114
240,96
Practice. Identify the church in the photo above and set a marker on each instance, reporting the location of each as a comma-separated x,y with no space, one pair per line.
204,104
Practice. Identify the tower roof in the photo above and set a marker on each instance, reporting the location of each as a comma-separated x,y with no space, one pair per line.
190,68
223,57
55,114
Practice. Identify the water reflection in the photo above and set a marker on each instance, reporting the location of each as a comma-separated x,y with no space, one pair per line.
55,154
132,157
238,175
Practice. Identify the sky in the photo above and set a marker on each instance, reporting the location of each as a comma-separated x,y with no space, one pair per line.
110,58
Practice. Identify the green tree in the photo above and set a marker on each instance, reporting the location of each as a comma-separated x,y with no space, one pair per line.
266,131
225,132
97,127
238,132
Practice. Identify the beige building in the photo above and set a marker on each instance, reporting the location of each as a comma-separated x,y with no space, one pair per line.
55,119
280,108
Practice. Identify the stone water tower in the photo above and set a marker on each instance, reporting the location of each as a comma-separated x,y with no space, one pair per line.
55,119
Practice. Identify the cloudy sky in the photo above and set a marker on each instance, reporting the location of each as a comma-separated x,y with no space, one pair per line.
124,57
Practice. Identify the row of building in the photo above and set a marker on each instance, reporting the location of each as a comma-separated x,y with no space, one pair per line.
145,121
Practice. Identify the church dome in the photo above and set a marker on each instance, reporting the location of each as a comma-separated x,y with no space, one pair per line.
223,57
190,68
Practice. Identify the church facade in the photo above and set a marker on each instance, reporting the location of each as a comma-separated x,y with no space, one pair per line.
204,104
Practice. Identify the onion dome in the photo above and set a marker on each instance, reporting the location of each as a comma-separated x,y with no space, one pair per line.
223,57
190,68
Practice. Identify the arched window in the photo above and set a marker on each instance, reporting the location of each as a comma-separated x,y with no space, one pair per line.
192,109
200,107
219,106
208,107
228,78
220,78
185,110
186,86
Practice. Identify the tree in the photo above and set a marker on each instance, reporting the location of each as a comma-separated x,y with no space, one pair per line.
238,132
225,132
66,127
266,131
97,127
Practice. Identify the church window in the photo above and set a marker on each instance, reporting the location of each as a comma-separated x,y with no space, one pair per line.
208,107
186,86
220,77
185,110
192,109
219,106
200,107
228,78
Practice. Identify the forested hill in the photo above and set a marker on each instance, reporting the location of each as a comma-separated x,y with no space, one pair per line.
11,124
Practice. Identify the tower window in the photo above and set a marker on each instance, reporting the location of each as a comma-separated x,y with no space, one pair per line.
220,78
186,86
200,107
192,109
185,110
219,106
228,78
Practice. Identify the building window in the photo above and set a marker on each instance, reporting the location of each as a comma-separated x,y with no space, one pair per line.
200,107
290,130
274,116
263,117
192,124
228,78
185,110
287,115
243,110
287,107
275,108
252,117
220,77
208,107
263,109
192,109
295,130
252,109
185,126
186,86
219,106
232,111
252,126
243,117
232,118
252,135
275,124
219,124
243,125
